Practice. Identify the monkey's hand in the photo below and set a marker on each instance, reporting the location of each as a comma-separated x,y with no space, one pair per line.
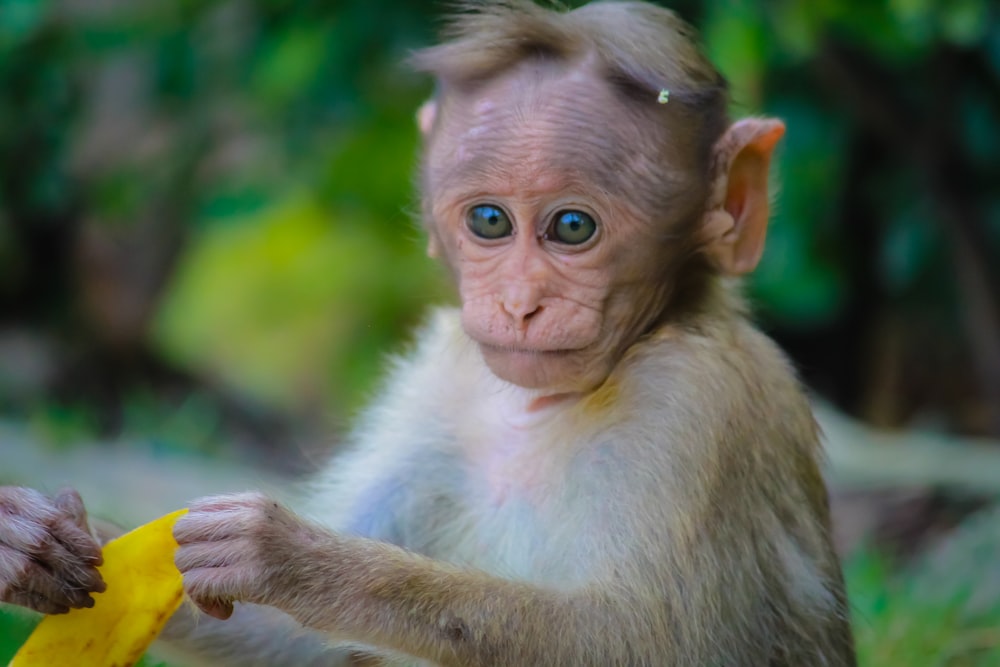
48,557
229,550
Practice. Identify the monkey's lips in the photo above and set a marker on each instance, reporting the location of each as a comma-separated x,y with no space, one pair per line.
538,368
526,351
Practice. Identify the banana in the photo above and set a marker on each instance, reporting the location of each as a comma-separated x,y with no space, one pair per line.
143,590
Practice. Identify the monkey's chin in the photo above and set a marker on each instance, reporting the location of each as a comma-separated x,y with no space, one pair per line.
550,370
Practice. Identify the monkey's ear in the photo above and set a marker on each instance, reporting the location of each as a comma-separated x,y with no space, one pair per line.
426,115
736,222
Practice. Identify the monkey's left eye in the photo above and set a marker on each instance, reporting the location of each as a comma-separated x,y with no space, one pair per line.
572,227
488,222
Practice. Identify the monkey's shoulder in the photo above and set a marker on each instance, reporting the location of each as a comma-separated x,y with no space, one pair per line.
720,392
725,363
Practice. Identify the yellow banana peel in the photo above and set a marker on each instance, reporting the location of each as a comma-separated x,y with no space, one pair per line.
144,590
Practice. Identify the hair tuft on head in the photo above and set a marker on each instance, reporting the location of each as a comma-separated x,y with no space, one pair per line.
483,39
639,48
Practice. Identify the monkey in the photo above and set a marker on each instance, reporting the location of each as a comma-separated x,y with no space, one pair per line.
596,458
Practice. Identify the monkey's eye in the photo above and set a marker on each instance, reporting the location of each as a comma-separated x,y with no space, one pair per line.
572,227
488,222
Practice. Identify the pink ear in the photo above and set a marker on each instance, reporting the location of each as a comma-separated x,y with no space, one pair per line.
736,231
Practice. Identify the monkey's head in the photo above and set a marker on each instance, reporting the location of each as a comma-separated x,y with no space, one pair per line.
580,184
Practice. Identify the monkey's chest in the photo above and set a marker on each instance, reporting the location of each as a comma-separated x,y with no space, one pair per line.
513,469
507,475
512,522
514,457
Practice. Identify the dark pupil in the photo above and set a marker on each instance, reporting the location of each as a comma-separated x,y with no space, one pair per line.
574,227
489,222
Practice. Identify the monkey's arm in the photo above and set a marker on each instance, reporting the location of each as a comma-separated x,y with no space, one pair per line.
247,548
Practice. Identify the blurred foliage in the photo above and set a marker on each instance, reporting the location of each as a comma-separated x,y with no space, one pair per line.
218,194
317,305
895,624
223,186
768,49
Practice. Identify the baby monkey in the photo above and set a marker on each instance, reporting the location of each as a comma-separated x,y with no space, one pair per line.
596,459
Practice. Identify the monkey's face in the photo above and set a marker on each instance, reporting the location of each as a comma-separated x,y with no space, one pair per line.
538,198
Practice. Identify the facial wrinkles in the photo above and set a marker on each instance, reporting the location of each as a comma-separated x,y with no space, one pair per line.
570,313
517,153
537,105
532,148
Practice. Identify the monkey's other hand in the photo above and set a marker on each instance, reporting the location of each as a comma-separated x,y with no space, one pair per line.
229,550
48,557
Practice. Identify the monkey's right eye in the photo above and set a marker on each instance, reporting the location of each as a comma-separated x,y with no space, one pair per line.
488,222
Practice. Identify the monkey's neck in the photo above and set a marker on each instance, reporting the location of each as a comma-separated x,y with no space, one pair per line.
542,403
700,299
525,408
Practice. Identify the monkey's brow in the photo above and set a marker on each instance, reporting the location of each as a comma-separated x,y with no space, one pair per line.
598,169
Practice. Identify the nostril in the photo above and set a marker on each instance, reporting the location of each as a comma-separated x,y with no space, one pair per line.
520,315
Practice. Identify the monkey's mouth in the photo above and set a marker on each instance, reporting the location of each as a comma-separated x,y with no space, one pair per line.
553,369
527,351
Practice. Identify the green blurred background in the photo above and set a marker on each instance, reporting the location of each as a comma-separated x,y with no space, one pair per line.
207,239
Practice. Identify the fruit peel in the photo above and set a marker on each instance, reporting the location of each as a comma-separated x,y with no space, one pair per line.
144,589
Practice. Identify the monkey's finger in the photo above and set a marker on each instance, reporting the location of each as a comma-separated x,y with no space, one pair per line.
33,523
219,609
39,583
70,569
36,601
80,543
70,554
228,501
69,502
72,589
210,554
211,587
201,525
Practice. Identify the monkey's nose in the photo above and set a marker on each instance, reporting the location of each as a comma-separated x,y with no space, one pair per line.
520,312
